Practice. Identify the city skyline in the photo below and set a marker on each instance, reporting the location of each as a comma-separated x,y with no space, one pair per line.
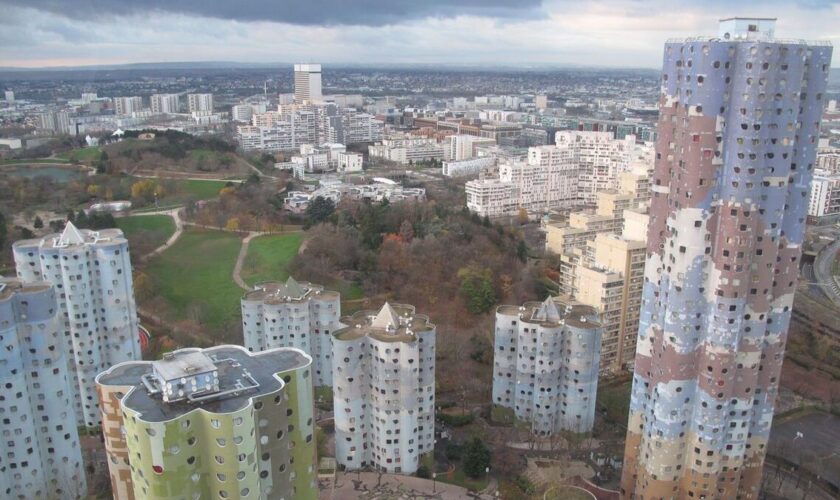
615,33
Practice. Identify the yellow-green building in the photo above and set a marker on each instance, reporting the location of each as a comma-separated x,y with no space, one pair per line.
217,423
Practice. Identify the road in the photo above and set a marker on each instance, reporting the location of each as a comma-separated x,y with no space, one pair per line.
822,271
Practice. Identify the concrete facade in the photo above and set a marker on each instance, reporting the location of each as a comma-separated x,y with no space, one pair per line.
211,423
42,456
164,103
737,136
384,389
308,83
292,314
545,365
91,271
200,103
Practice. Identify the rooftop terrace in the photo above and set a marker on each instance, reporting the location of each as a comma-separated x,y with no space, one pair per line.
241,376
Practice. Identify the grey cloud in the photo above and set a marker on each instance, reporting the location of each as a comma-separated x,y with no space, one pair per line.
301,12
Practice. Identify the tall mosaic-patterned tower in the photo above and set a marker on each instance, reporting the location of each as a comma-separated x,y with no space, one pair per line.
737,137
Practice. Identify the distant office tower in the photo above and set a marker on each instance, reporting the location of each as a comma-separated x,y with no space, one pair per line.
293,314
10,96
91,271
164,103
308,83
200,103
88,97
545,366
737,135
127,105
210,423
42,457
384,389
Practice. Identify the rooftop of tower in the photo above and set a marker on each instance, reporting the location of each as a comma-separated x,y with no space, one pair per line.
73,237
391,323
553,312
159,390
11,286
276,292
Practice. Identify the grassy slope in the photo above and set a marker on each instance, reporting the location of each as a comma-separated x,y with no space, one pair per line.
198,270
201,189
84,155
268,257
155,228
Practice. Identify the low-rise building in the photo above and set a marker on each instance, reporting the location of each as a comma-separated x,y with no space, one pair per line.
407,150
545,366
211,423
384,389
461,168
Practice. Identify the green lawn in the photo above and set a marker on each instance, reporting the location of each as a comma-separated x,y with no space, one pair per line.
154,229
84,155
202,190
194,276
268,257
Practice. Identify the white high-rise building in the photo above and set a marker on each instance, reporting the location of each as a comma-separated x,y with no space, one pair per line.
463,147
164,103
600,158
127,105
42,456
545,366
89,97
10,96
292,314
199,103
384,389
241,112
308,83
91,271
825,194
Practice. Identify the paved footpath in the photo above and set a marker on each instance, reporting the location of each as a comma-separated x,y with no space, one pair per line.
372,485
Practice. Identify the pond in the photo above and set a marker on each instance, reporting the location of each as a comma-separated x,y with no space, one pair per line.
58,174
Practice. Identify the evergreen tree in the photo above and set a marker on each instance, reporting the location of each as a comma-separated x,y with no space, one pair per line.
476,457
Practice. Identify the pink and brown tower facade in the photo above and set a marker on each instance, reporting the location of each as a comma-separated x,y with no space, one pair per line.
737,136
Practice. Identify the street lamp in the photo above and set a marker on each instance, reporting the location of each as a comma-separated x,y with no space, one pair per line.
434,483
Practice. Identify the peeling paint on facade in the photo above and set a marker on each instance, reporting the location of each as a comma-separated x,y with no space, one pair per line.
737,137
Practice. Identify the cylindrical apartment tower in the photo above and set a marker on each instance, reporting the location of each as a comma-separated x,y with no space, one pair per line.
91,271
546,364
737,136
211,423
42,456
384,389
291,314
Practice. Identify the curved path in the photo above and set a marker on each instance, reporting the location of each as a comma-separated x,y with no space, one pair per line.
822,271
240,260
179,229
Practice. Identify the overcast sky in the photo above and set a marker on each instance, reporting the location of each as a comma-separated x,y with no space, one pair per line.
615,33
